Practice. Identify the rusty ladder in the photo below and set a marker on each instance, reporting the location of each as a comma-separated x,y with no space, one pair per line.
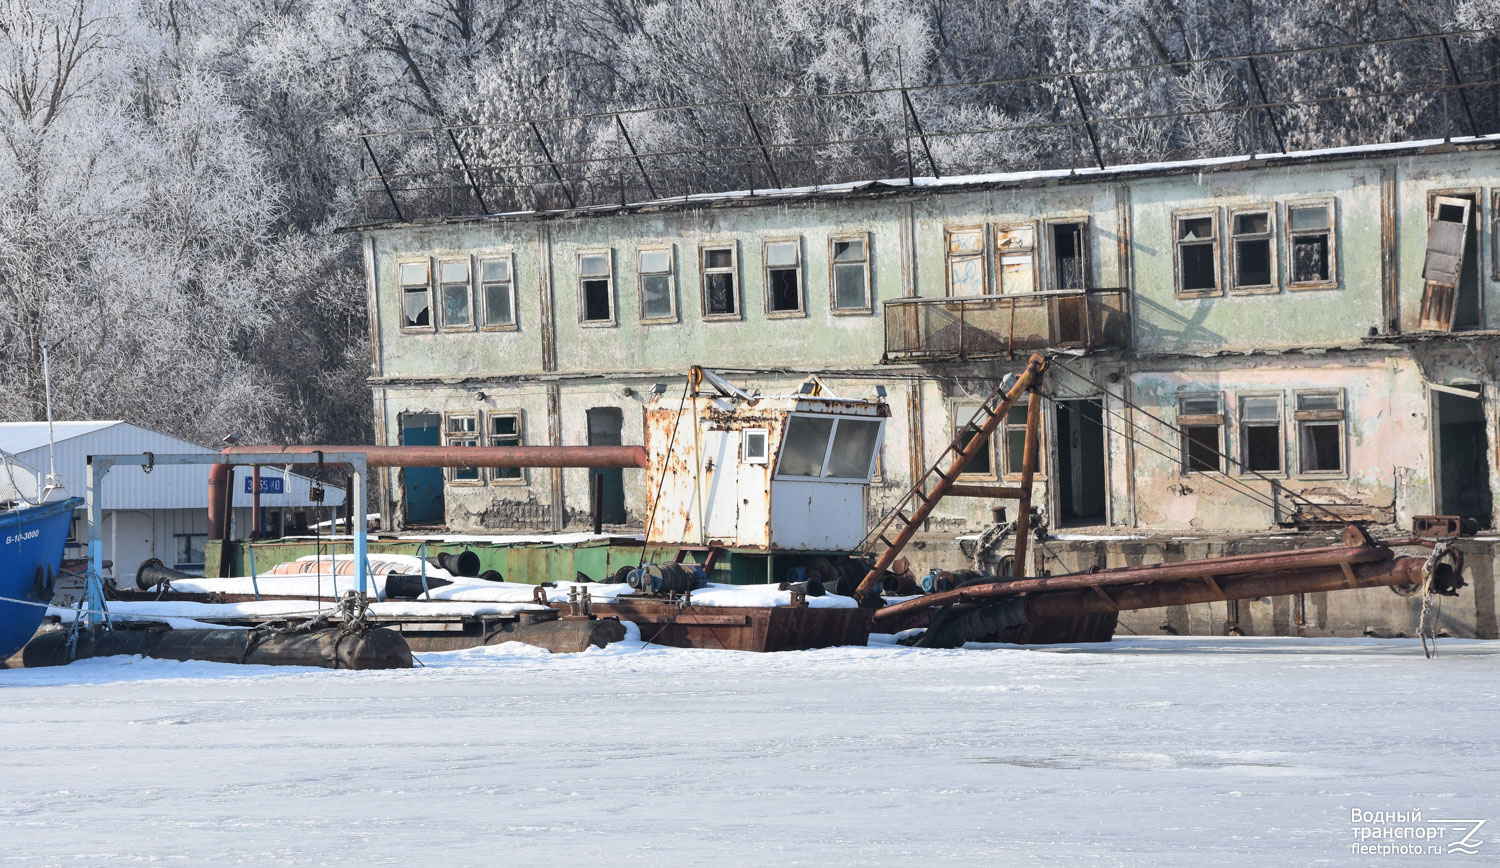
923,497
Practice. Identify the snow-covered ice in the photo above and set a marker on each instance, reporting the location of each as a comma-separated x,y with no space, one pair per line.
1159,751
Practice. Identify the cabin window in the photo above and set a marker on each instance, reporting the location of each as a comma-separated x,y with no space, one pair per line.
461,429
1069,255
853,450
721,289
849,258
1320,432
596,296
1253,247
966,271
982,465
1309,228
658,291
497,289
1197,253
822,447
1013,449
1200,418
805,445
755,447
783,277
1260,433
1015,257
416,294
504,429
453,289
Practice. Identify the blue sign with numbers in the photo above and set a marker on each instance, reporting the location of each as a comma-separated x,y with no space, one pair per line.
268,485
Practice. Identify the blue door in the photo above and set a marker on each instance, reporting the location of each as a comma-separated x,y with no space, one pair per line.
422,487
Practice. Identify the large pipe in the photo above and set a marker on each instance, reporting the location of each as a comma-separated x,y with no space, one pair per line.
218,478
471,456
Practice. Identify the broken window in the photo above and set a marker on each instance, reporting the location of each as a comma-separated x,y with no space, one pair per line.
416,295
453,289
982,464
1450,294
1197,254
1069,255
1320,431
461,429
1013,447
1253,245
497,288
1200,417
805,445
1015,257
1260,433
658,298
851,273
504,430
721,289
595,289
1310,237
783,277
966,272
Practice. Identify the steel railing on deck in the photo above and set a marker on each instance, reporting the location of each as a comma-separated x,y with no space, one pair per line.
1000,325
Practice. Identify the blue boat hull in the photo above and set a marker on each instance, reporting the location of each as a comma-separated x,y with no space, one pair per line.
31,549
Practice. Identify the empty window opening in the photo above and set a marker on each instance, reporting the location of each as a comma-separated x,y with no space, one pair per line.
966,272
1310,228
594,280
1320,432
497,288
453,278
1252,250
1201,419
1197,254
784,276
1015,254
1462,455
851,273
505,430
1069,264
720,282
416,295
658,301
1260,434
462,429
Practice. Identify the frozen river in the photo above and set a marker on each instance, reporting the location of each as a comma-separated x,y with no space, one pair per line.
1163,751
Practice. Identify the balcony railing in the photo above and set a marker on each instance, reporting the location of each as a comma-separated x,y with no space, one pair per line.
1001,325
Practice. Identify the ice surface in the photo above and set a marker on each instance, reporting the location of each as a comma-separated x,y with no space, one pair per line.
1169,751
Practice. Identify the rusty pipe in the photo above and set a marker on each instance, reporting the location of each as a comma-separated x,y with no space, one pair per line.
471,456
218,478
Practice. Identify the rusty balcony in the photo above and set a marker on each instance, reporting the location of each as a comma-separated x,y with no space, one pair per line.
1002,325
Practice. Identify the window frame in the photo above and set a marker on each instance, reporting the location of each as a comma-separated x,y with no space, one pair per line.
640,283
800,269
959,414
833,266
734,280
1341,416
1000,252
1331,203
1005,429
482,297
765,458
1494,204
468,263
450,474
1241,457
983,256
1271,236
188,565
833,436
1200,420
1049,243
614,308
431,327
1215,241
488,437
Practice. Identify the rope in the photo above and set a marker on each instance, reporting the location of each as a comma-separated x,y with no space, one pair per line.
1428,629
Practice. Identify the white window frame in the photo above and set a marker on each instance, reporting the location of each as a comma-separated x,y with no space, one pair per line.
1322,417
833,269
671,275
491,474
461,438
483,297
1214,241
468,285
426,263
1241,423
1201,420
734,279
1270,236
767,268
833,436
614,315
1333,243
983,257
765,455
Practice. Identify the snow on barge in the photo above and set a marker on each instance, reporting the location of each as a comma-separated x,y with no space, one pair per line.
757,539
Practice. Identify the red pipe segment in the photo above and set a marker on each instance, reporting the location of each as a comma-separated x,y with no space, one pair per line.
471,456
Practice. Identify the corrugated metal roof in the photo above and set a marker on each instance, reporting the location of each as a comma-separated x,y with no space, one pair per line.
166,487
